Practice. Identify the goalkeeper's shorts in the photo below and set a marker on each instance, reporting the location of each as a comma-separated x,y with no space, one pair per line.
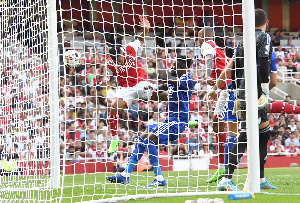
168,130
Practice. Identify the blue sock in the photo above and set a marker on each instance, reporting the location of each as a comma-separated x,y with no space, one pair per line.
135,157
230,140
153,156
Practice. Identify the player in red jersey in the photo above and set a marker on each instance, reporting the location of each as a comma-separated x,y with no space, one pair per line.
124,64
215,62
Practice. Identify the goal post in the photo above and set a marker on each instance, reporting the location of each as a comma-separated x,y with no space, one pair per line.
53,60
253,183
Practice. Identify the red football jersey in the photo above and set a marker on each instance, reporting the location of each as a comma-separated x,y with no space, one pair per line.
292,55
209,47
132,72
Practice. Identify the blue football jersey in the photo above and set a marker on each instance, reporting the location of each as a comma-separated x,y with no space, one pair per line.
179,99
273,67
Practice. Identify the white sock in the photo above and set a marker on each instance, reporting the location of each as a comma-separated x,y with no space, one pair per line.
159,178
221,166
114,137
125,174
225,180
262,180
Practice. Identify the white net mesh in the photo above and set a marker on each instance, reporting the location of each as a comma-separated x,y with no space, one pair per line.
86,93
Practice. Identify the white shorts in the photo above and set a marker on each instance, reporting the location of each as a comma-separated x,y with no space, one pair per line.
128,94
221,102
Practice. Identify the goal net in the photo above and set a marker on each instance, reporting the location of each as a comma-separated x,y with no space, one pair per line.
55,130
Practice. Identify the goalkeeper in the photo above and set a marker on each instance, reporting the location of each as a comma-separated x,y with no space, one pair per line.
179,87
264,54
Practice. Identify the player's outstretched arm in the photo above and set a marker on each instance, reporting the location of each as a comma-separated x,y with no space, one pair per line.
222,78
146,25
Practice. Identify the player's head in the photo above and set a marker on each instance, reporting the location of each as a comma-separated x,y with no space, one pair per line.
117,55
205,34
181,66
261,20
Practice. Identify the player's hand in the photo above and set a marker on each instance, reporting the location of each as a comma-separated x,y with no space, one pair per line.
211,82
262,101
211,95
144,22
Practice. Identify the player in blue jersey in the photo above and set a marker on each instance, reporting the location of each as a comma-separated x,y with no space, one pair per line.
179,87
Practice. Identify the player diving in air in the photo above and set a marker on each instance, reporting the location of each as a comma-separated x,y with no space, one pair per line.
214,60
179,87
131,78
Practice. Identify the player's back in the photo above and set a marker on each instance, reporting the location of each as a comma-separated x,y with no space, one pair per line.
132,72
179,99
263,49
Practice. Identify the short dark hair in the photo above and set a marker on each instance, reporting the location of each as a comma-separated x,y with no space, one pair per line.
183,61
114,52
260,17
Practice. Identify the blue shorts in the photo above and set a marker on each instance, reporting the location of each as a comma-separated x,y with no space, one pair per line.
227,110
168,130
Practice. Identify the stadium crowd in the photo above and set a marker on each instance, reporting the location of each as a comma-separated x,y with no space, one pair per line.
86,93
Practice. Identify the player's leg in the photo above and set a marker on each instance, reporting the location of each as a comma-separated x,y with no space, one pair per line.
218,128
136,155
264,136
230,140
149,143
116,105
283,107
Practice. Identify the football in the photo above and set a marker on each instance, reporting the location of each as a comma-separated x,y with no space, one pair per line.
72,58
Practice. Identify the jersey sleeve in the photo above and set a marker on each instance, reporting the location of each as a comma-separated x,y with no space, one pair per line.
111,65
207,49
132,47
273,67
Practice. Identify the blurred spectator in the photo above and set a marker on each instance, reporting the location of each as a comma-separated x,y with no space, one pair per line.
121,162
162,151
230,44
292,139
276,38
286,134
70,156
192,145
205,151
291,68
292,125
289,43
181,143
292,52
213,145
281,69
282,121
279,52
280,139
274,133
286,58
288,99
277,147
292,149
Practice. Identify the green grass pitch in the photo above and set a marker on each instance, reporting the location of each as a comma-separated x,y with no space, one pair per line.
77,188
